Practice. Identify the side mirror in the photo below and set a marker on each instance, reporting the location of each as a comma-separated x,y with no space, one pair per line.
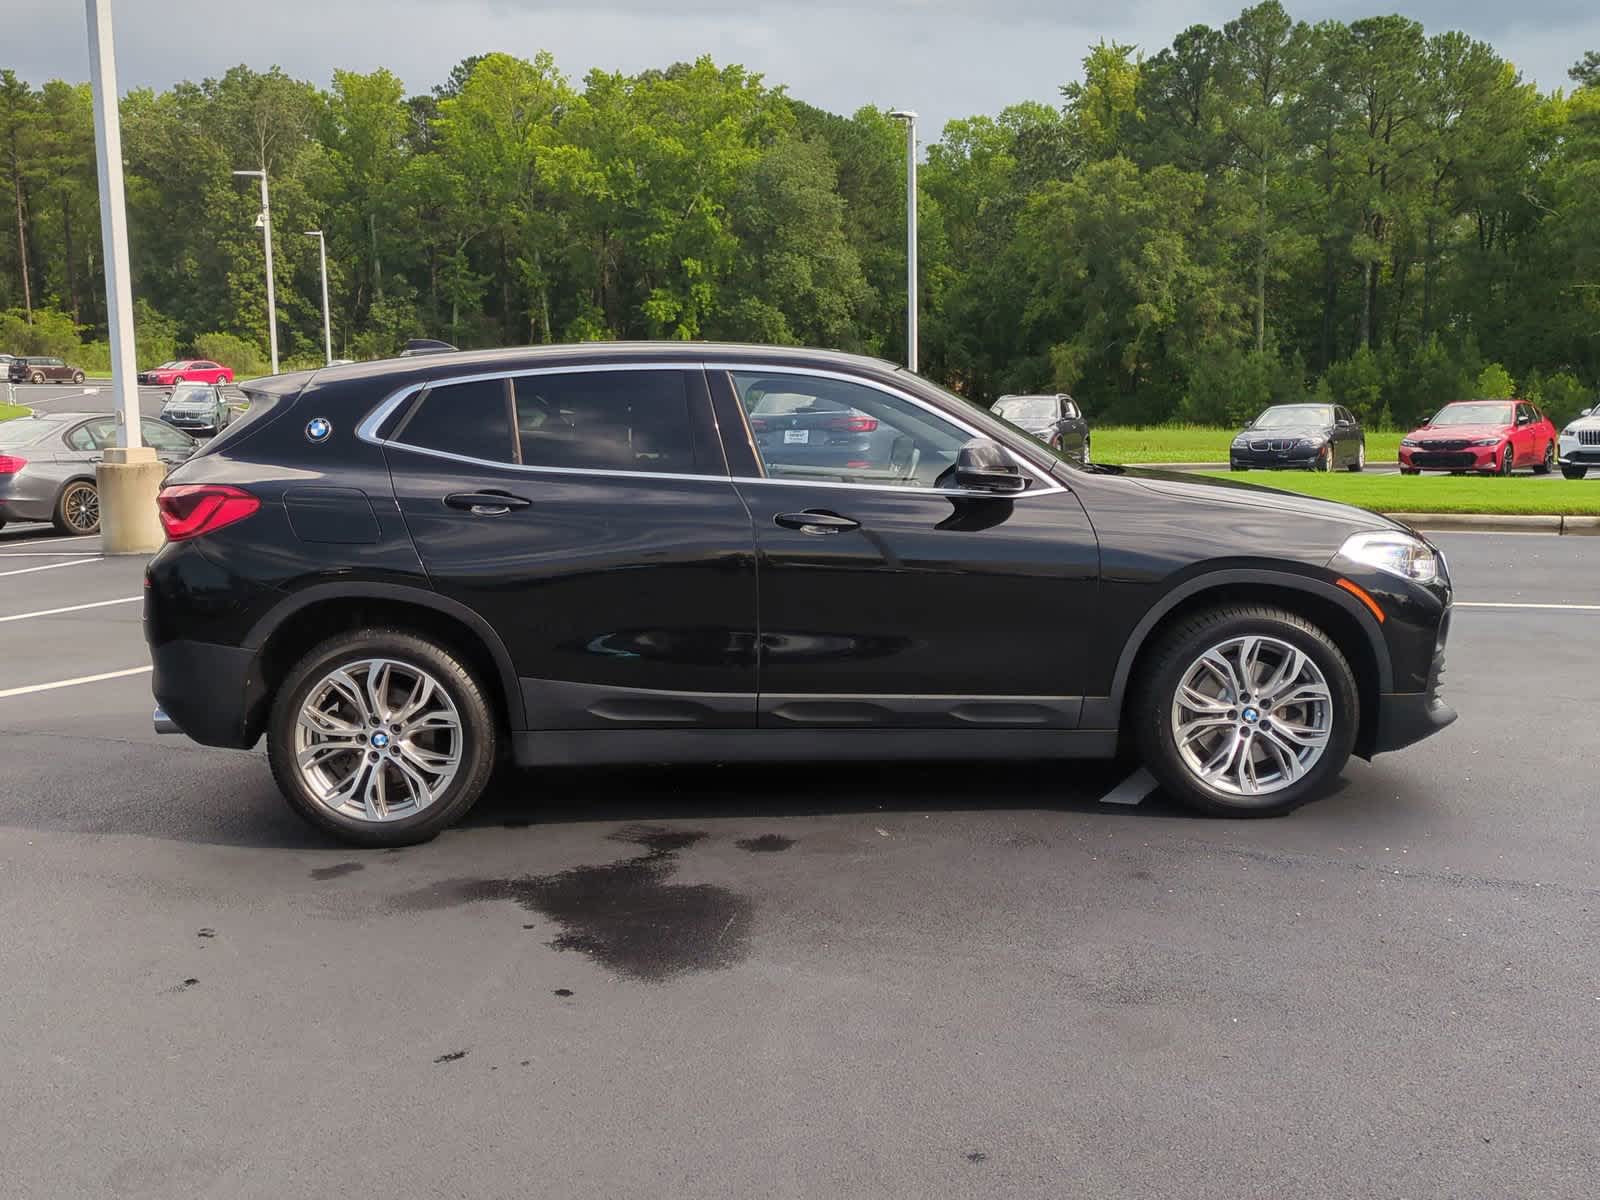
983,466
1586,412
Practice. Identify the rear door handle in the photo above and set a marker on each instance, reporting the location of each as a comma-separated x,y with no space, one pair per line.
486,504
816,522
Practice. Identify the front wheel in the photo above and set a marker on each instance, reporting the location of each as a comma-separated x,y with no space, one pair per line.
77,377
1324,461
1508,462
381,737
1548,462
1570,472
1246,711
176,380
77,511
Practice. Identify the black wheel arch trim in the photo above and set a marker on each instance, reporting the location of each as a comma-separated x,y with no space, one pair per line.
1094,716
297,601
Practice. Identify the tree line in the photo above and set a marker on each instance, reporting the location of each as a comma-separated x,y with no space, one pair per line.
1268,211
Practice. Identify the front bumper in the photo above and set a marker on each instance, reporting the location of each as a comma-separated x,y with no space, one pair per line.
1574,454
1407,717
214,694
1473,458
1267,460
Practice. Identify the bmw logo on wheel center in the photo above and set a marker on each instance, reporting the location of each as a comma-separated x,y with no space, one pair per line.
1251,716
318,429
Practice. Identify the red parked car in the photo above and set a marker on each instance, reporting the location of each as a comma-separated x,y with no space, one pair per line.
1492,436
187,370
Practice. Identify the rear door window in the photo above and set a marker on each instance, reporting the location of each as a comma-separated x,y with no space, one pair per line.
605,420
472,420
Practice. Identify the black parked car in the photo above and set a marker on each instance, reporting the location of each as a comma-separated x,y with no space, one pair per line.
1057,421
1315,437
582,554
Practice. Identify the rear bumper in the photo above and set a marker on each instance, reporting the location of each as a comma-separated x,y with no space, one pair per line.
214,694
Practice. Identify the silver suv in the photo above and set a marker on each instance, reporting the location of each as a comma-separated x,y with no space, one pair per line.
1580,444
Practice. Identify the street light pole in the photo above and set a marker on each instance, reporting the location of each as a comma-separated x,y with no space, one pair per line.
127,481
327,325
910,119
266,233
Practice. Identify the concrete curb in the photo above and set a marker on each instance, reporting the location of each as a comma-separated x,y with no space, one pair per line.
1502,522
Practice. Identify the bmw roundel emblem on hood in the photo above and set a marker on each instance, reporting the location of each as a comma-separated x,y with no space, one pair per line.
318,429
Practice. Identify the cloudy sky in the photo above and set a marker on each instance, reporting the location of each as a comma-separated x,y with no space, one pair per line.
945,58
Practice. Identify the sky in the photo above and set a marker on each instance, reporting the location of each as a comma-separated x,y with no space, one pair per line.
944,58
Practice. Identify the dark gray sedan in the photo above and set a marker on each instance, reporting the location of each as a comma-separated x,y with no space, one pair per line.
47,464
1057,421
198,408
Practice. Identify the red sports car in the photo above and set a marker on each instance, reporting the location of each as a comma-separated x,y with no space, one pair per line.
1493,436
187,370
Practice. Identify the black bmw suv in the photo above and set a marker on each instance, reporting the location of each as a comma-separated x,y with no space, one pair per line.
400,572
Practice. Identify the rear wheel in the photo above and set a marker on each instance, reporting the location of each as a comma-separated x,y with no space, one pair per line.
381,737
77,377
1548,462
78,509
1246,711
1570,472
36,377
1360,462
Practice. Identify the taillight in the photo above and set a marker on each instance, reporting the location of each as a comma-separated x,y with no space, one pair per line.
10,464
190,509
853,424
758,425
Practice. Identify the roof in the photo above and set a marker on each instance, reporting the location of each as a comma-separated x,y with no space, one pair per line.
522,357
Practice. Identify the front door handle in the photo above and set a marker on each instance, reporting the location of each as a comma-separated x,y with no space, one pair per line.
486,504
816,522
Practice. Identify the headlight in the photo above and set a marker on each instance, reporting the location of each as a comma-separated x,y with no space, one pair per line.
1410,443
1240,442
1487,442
1395,552
1311,443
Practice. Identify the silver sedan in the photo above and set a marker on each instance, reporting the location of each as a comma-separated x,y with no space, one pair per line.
47,464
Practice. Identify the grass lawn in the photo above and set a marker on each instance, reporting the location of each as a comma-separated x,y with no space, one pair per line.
1438,493
1197,443
7,411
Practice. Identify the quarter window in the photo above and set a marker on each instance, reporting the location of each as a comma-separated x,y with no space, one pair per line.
470,419
814,427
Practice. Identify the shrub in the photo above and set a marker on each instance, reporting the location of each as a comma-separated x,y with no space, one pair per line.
230,350
1357,383
1563,396
1494,383
51,333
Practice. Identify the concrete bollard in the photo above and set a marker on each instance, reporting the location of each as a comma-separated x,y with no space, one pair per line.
128,481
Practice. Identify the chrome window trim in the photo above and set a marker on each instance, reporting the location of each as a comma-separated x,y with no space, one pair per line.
367,429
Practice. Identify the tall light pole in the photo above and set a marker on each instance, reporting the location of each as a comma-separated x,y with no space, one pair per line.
127,481
266,233
327,324
910,118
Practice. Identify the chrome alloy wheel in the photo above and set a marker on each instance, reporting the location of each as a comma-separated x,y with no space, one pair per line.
377,740
1251,716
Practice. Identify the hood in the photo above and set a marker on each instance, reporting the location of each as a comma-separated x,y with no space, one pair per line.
1206,489
1592,421
1430,433
1288,431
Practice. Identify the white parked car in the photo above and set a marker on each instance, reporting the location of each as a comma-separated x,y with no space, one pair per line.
1580,444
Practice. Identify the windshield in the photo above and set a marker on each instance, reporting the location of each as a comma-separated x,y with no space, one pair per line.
1285,416
187,393
1487,412
1027,408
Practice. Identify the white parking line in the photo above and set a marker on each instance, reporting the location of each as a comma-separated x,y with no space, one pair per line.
66,683
1518,604
51,612
51,554
80,538
77,562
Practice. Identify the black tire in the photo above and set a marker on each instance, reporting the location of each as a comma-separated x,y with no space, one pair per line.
1411,470
1508,463
1323,462
176,380
1170,659
1568,472
36,378
480,734
1548,462
1359,462
77,511
77,377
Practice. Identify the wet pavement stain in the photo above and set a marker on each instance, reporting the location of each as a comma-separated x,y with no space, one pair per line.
452,1056
338,869
624,915
562,992
206,933
977,1156
767,843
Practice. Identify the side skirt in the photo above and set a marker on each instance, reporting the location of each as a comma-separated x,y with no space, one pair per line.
592,747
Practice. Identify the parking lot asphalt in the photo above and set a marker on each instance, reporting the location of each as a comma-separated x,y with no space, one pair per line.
92,397
807,982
